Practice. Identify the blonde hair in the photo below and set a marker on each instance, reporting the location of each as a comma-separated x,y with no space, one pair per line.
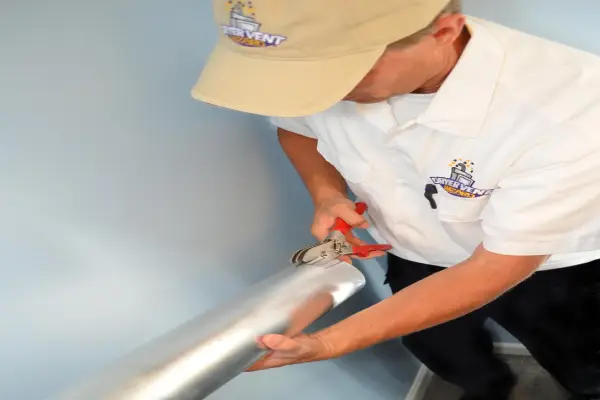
453,7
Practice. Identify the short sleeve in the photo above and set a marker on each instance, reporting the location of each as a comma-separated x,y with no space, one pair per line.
549,200
296,125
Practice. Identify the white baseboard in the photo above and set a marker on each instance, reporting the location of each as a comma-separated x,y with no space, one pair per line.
511,349
420,384
424,375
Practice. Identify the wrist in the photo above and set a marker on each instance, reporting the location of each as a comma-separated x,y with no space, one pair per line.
331,346
322,347
326,193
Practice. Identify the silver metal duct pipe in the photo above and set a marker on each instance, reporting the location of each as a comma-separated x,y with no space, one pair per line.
202,355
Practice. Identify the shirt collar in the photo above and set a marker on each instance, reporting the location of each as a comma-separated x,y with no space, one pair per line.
460,106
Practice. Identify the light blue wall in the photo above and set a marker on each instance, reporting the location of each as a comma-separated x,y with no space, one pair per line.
574,23
128,208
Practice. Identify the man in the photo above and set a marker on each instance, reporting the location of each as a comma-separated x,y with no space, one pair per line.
477,149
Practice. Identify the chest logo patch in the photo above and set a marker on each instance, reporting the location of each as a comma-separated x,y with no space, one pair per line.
461,182
244,28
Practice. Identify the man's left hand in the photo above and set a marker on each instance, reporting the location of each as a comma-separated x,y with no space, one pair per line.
287,351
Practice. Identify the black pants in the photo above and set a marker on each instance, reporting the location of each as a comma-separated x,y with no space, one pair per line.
555,314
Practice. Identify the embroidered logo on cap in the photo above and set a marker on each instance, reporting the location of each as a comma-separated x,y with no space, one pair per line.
461,182
244,29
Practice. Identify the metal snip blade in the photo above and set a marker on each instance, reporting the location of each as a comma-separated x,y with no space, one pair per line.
298,256
310,254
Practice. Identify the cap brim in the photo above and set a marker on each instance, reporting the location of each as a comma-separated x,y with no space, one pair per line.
282,88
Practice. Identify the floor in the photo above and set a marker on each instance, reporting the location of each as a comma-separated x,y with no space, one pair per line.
534,383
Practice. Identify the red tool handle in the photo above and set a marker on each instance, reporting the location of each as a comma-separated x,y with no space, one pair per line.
359,250
343,226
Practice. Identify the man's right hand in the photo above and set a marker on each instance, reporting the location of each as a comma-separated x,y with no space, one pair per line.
325,185
328,210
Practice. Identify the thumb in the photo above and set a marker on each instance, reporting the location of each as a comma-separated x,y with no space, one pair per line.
353,218
322,225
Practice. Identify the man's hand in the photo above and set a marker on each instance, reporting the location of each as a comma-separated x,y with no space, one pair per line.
286,351
325,184
439,298
326,212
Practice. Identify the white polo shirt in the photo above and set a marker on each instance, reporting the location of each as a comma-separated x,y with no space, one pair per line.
511,143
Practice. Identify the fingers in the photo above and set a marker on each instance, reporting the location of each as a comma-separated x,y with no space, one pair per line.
287,351
373,254
282,351
346,259
329,211
358,242
325,218
279,343
354,240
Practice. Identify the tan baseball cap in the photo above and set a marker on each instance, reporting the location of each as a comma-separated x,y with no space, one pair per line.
291,58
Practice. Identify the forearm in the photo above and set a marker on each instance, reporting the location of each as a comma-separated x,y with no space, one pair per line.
439,298
321,178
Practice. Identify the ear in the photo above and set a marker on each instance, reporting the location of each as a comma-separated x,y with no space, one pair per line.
449,27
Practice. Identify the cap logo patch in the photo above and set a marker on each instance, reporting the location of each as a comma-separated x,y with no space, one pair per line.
244,29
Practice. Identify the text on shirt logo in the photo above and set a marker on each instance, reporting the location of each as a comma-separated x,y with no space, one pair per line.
244,29
461,182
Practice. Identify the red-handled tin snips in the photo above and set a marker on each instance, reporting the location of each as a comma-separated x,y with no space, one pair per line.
337,245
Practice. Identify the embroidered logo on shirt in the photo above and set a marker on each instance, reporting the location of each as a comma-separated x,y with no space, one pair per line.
244,29
461,182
